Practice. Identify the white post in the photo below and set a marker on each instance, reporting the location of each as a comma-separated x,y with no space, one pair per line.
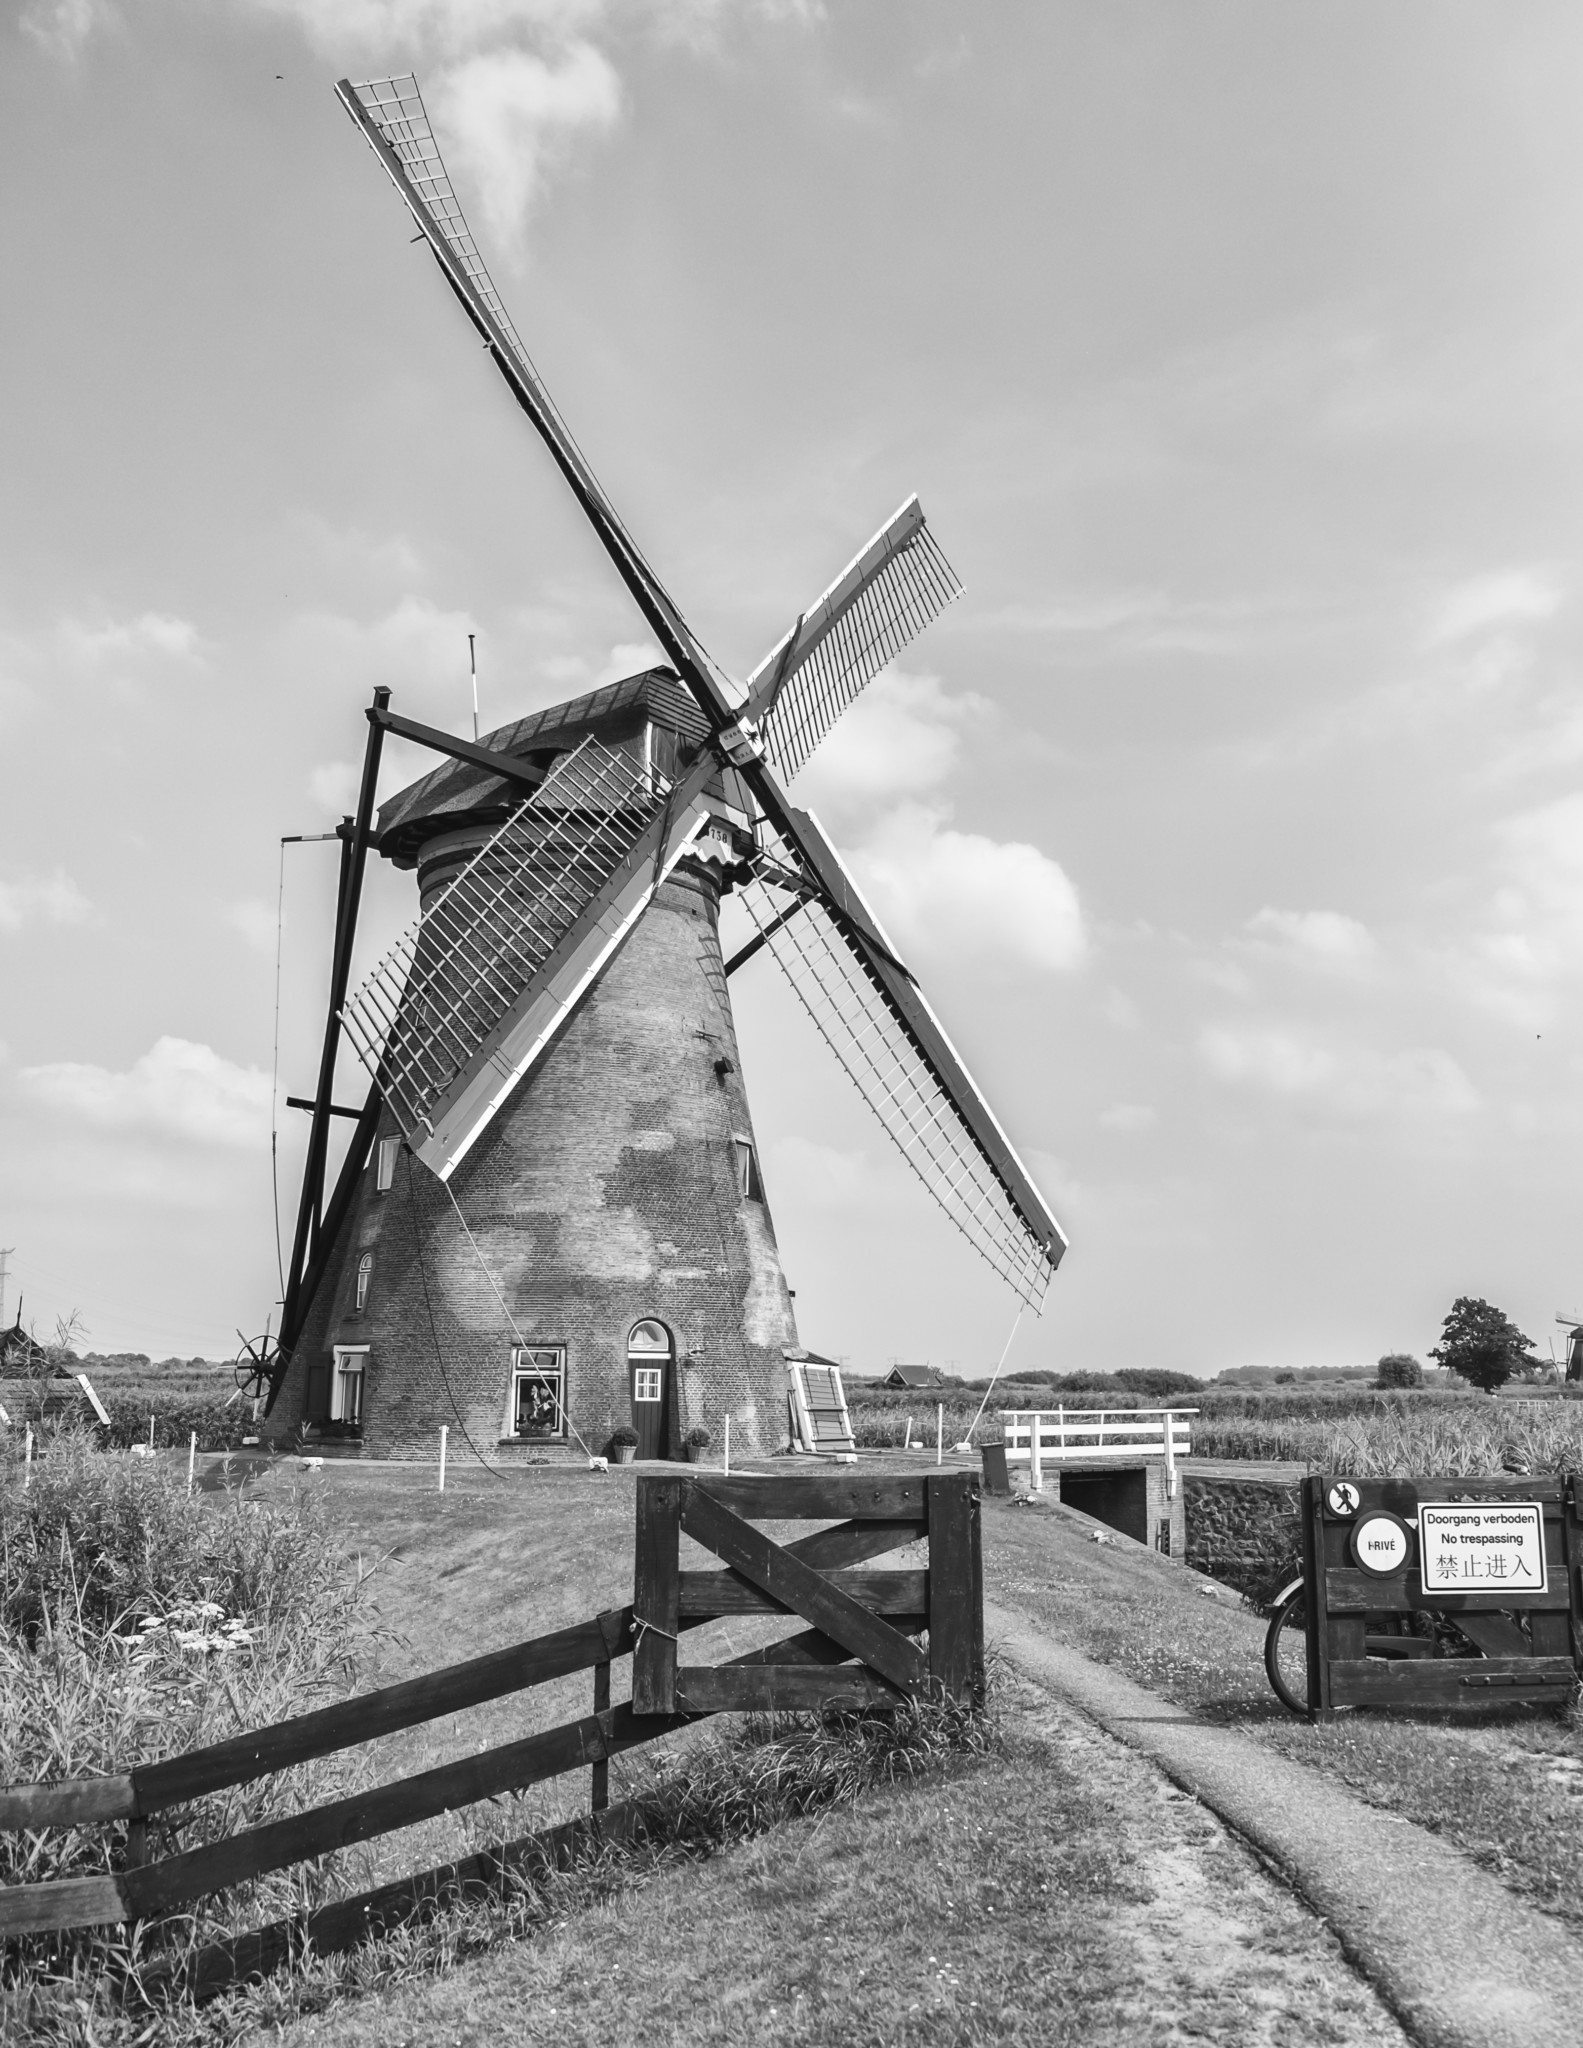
27,1460
727,1459
192,1457
939,1434
445,1430
1170,1456
1035,1452
906,1442
151,1432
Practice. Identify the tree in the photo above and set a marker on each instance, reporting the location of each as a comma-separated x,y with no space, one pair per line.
1481,1344
1399,1369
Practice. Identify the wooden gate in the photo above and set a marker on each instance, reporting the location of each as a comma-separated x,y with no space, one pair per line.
1497,1559
859,1650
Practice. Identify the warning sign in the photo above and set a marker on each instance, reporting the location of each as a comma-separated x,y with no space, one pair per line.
1483,1547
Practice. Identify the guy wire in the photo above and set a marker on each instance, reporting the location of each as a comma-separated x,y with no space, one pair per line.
995,1375
274,1073
439,1355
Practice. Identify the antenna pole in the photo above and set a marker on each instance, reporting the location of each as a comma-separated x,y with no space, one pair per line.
5,1255
472,663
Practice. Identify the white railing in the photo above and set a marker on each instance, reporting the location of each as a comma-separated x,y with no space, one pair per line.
1035,1436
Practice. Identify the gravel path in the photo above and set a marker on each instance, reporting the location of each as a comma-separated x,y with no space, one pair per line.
1459,1959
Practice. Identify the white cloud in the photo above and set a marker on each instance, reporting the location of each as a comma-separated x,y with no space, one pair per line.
333,785
254,922
804,1174
628,658
958,896
1129,1116
177,1089
1533,944
1510,597
900,739
511,118
1351,1081
1323,939
54,899
63,26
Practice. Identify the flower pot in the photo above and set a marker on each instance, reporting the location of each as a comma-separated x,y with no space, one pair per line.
695,1453
625,1453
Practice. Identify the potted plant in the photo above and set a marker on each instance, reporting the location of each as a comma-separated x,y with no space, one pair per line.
696,1442
624,1443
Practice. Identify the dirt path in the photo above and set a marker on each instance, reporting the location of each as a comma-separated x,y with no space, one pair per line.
1461,1961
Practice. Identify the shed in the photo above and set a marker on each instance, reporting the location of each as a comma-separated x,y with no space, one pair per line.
913,1377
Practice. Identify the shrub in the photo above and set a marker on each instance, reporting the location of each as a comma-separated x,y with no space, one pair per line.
221,1426
700,1439
626,1434
1399,1369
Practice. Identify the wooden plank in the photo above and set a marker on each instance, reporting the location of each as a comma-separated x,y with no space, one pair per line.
67,1902
157,1887
716,1593
858,1496
1354,1592
360,1719
69,1805
955,1587
1497,1635
1451,1681
805,1591
343,1925
1314,1611
599,1787
853,1542
777,1688
1551,1634
655,1596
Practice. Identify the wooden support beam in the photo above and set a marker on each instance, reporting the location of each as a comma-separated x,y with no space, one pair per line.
956,1607
708,1595
860,1496
801,1589
656,1609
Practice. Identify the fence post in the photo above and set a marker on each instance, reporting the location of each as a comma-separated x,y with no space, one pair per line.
1170,1454
192,1458
599,1799
1036,1452
956,1588
444,1433
727,1459
906,1441
27,1459
656,1596
939,1434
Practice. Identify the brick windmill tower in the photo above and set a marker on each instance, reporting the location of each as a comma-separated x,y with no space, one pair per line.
550,1219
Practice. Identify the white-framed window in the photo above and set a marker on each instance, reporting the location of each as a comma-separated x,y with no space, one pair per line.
538,1393
365,1274
385,1164
749,1186
346,1383
649,1340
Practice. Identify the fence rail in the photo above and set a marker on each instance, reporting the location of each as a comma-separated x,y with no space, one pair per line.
860,1651
1036,1437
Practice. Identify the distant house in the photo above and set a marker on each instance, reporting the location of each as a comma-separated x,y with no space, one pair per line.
34,1388
913,1378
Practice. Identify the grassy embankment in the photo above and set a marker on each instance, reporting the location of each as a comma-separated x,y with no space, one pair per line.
1014,1891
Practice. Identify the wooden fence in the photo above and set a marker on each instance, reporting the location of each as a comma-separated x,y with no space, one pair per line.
1036,1437
860,1650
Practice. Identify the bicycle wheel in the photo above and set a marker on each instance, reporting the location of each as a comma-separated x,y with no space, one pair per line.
1286,1650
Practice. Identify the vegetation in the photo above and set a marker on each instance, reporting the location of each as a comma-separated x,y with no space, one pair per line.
1399,1369
1482,1344
136,1621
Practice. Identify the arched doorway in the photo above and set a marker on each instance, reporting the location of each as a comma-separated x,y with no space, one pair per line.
650,1356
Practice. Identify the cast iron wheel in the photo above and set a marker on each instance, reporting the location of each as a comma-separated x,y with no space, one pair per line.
255,1367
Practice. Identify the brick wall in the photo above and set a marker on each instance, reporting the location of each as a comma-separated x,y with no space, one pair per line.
1245,1532
604,1191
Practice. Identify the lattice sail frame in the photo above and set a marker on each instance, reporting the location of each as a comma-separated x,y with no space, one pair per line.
917,1114
431,1006
883,599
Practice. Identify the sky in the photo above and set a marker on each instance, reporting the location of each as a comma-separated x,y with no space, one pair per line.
1230,819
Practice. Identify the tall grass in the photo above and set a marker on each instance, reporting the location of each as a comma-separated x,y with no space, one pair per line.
1475,1438
136,1623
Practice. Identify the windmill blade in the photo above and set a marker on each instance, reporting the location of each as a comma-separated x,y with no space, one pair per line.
392,118
881,600
872,1015
467,1000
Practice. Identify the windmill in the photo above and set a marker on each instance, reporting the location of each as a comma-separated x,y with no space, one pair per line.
569,867
1573,1325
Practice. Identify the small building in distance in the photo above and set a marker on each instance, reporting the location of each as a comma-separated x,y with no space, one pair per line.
913,1378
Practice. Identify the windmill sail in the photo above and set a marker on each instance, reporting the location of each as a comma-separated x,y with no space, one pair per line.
910,1075
464,1003
882,599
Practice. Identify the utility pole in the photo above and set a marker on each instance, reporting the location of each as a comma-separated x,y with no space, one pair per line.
6,1251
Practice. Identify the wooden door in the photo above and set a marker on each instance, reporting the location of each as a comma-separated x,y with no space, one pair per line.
649,1363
